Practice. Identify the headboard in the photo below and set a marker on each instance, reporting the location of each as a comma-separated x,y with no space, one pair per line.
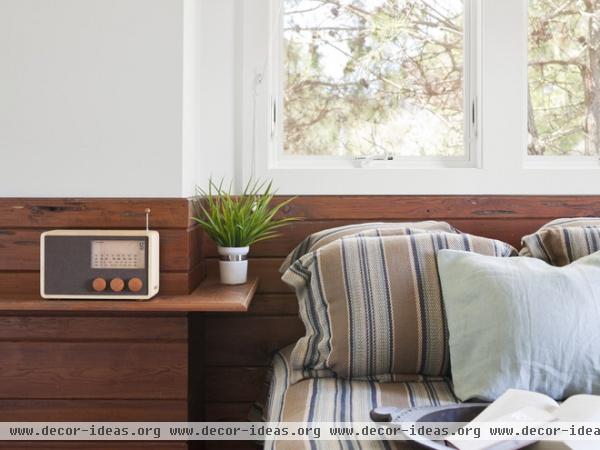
238,348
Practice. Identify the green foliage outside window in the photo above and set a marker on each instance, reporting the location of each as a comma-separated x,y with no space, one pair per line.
373,76
564,77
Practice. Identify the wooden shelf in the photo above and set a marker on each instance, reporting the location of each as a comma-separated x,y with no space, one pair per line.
209,296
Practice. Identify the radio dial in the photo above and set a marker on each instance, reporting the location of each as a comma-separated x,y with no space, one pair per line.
135,284
99,284
117,284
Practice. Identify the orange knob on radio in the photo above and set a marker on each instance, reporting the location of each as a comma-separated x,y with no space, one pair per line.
135,284
117,284
99,284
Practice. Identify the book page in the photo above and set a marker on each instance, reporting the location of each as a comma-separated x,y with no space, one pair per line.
514,400
584,408
579,408
512,406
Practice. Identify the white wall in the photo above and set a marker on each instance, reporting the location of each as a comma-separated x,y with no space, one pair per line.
191,96
149,97
218,86
91,98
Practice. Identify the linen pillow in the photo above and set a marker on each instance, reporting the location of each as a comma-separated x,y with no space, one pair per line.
563,241
324,237
372,306
523,324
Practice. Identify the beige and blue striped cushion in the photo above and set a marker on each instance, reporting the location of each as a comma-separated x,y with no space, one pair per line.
563,241
339,400
372,306
324,237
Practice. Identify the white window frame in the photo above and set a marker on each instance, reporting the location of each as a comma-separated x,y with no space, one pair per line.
499,164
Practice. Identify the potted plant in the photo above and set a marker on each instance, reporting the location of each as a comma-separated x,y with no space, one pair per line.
234,222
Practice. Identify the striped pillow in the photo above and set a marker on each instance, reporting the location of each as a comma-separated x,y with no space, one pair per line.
324,237
563,241
372,306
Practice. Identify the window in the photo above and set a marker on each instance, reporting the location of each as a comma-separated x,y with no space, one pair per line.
564,78
375,77
464,96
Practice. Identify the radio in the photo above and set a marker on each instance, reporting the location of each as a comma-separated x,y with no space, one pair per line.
99,264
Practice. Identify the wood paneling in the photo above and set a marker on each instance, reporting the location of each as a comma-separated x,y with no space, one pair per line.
234,384
82,410
64,365
99,328
274,305
93,213
231,353
94,370
113,445
194,277
441,207
226,412
195,246
248,340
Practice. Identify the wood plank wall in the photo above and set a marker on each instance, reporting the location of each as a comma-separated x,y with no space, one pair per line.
239,347
22,221
79,367
236,348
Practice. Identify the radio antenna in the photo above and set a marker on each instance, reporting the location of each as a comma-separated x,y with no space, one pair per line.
147,211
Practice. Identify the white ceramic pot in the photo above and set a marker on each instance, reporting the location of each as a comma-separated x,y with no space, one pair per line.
233,264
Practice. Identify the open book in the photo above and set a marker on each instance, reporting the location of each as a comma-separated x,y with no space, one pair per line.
525,406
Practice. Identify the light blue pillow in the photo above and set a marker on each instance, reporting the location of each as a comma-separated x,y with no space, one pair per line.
521,323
